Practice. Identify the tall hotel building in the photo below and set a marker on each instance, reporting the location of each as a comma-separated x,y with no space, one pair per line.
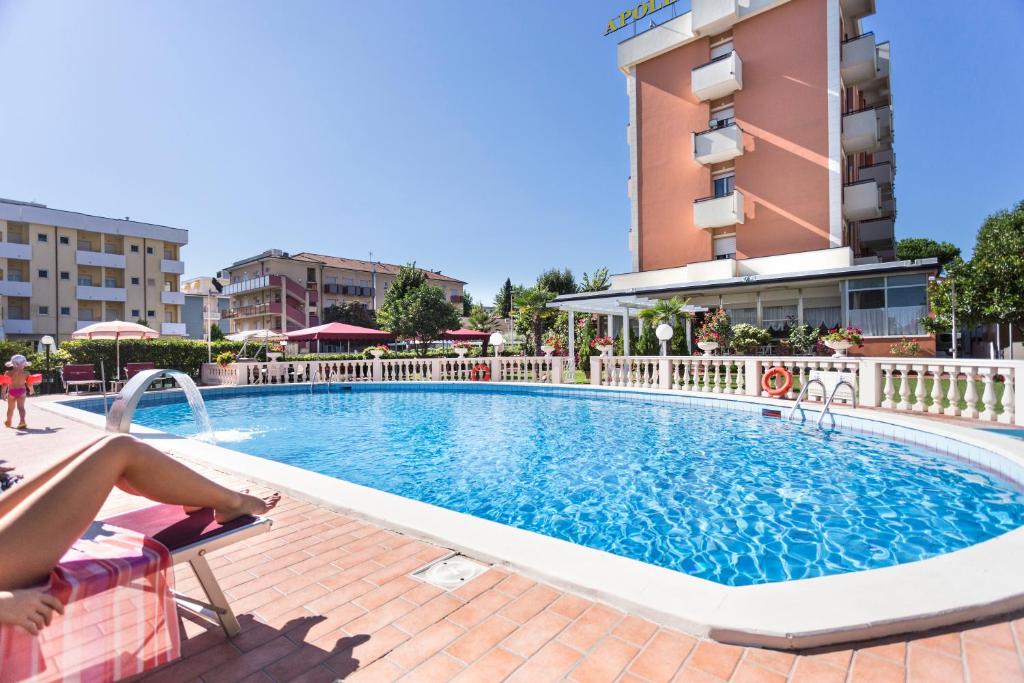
62,270
761,168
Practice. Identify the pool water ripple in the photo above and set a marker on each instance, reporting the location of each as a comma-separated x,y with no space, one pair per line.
723,495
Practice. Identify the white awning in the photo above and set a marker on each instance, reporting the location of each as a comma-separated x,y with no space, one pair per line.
614,305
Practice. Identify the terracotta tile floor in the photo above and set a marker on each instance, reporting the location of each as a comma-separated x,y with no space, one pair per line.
325,596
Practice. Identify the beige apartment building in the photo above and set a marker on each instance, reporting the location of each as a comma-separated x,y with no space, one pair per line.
63,270
279,291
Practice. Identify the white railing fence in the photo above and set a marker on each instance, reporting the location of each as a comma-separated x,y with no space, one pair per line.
543,370
984,390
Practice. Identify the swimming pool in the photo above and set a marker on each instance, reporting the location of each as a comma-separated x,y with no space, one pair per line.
723,495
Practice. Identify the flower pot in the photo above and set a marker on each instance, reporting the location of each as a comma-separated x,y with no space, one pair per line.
376,353
707,347
839,347
460,352
605,349
548,349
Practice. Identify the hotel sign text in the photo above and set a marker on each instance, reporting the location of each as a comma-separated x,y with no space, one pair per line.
636,14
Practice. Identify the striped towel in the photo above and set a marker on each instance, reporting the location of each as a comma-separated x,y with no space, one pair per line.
119,619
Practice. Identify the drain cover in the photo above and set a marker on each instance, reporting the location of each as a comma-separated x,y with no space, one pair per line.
451,572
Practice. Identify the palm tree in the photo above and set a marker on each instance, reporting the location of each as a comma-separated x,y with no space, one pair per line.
532,304
480,319
598,281
667,311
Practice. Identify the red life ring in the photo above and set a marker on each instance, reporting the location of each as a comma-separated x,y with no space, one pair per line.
484,371
787,381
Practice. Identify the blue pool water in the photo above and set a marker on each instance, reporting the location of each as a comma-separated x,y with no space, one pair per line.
727,496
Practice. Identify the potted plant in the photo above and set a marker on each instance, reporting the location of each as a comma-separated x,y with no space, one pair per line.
377,351
225,358
714,332
746,338
708,340
603,345
802,339
549,346
839,339
461,348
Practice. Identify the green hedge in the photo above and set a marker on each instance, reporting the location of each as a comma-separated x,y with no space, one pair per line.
187,355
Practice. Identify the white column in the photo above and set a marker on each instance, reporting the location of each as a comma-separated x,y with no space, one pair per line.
760,309
572,343
625,333
689,335
800,306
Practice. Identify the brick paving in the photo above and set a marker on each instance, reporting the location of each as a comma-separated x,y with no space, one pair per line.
326,596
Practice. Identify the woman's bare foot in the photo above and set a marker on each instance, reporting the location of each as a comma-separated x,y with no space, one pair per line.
247,505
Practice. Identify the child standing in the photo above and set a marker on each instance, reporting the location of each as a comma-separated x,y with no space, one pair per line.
18,389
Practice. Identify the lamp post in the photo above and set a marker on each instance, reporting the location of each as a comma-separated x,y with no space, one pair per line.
664,333
497,341
49,345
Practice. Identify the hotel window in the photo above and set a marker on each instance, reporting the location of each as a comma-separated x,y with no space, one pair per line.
349,282
888,306
85,280
722,117
135,249
724,184
65,240
110,282
778,316
42,238
151,314
65,310
65,275
725,247
44,310
135,280
43,273
135,313
149,250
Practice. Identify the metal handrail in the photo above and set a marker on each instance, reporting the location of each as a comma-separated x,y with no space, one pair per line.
719,58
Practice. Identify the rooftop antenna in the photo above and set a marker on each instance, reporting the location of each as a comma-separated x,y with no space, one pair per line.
373,280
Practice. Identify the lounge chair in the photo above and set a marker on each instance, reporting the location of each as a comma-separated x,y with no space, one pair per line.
190,537
132,369
78,376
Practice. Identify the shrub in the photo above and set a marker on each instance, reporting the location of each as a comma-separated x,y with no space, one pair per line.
803,338
186,355
745,337
715,328
905,347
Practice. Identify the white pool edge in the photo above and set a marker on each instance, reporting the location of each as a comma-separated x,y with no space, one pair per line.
974,583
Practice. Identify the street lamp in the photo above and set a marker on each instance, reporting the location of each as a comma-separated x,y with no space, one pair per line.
664,333
49,345
497,341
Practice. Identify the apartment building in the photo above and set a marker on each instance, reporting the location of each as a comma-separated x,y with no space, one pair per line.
205,305
279,291
761,168
62,270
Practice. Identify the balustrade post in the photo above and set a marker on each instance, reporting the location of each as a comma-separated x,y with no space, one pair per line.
752,376
376,370
556,369
241,376
595,370
869,384
664,373
1018,393
435,369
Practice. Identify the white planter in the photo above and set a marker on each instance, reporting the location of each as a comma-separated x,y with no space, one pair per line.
604,349
707,347
376,353
839,347
547,349
460,352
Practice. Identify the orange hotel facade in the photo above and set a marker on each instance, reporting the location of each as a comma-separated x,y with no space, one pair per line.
762,172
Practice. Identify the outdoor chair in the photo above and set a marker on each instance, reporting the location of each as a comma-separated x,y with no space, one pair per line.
189,538
78,376
132,369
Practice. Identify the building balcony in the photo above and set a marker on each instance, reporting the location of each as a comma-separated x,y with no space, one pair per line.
720,77
14,250
867,130
877,231
718,144
252,284
87,293
713,16
350,290
881,173
877,92
859,62
173,329
172,267
99,259
172,298
862,201
253,311
15,288
718,212
17,326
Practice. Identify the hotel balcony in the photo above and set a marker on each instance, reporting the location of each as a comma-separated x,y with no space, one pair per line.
15,288
713,16
253,284
720,77
859,62
87,293
172,267
862,201
878,92
172,298
867,130
14,250
99,259
718,212
351,290
173,329
256,310
17,326
879,230
881,173
718,144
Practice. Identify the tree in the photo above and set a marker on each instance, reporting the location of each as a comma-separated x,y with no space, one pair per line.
503,301
970,301
350,313
671,312
480,319
914,248
413,309
557,281
998,266
467,303
598,281
532,312
216,334
393,314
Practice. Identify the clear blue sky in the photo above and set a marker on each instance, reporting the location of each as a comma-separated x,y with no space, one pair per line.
486,143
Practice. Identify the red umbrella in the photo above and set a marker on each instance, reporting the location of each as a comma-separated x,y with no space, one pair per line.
339,332
466,335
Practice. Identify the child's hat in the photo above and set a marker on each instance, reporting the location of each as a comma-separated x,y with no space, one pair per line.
17,361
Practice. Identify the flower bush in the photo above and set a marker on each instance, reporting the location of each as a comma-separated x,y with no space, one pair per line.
601,341
715,328
225,358
746,338
803,338
905,347
854,335
462,345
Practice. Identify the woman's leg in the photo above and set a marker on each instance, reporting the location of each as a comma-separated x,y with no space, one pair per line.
45,524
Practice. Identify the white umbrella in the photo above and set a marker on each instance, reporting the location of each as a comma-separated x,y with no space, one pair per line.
116,330
257,335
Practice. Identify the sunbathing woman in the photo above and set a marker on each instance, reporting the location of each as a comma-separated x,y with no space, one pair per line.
41,517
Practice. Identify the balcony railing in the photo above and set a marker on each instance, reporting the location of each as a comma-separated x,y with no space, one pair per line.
862,200
722,76
16,250
867,130
859,62
351,290
99,259
718,144
719,212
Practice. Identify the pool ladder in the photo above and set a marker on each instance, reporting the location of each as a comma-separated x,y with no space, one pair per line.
316,375
815,378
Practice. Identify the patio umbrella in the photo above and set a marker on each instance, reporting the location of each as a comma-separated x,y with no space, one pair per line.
116,330
339,332
256,335
464,334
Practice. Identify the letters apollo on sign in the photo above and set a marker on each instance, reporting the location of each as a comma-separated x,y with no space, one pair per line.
636,14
